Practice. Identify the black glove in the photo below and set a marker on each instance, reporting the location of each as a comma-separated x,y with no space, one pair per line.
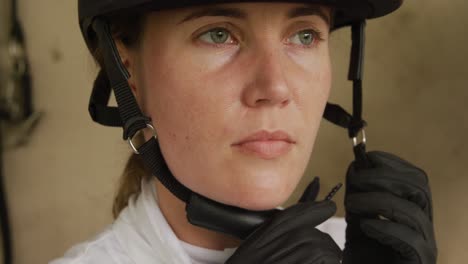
291,237
388,212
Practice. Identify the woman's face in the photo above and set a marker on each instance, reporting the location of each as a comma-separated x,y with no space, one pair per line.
236,93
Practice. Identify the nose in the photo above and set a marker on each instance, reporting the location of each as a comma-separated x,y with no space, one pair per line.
267,86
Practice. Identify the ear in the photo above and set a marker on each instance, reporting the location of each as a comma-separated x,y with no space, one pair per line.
128,57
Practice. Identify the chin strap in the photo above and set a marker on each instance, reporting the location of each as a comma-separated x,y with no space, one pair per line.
128,114
201,211
339,116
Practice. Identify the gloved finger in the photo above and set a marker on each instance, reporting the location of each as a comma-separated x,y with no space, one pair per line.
302,245
398,166
321,249
379,158
393,208
301,216
314,258
391,174
292,245
409,244
311,192
385,181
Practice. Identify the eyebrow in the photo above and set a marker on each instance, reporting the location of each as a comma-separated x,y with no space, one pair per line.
216,11
309,11
241,14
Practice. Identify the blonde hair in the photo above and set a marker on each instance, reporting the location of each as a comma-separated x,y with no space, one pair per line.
130,183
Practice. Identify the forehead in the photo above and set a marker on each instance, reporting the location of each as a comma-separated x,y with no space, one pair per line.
246,10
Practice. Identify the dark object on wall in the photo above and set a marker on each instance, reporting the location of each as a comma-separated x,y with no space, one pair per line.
4,219
16,111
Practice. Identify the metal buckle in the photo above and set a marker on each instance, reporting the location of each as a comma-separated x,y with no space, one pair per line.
130,139
363,138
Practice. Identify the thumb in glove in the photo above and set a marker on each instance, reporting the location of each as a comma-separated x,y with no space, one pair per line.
290,236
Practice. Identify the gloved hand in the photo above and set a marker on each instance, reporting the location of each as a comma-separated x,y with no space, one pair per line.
389,213
291,237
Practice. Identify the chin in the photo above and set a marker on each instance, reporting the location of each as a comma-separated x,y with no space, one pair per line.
255,187
258,198
256,202
248,183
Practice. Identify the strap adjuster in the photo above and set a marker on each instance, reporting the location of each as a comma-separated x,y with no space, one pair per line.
363,138
133,125
130,139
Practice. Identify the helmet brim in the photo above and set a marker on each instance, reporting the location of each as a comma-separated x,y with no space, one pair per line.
347,11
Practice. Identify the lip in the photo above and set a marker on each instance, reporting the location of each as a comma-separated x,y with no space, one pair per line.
265,144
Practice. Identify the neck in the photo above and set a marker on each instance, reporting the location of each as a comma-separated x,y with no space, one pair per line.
173,210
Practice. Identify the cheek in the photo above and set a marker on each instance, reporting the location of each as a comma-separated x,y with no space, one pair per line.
313,101
191,93
313,79
190,106
315,69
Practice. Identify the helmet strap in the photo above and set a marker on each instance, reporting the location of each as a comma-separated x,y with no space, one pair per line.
355,75
338,115
131,117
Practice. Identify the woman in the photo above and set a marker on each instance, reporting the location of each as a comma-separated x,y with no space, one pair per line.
235,93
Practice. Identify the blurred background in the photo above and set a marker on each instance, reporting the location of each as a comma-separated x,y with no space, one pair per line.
60,179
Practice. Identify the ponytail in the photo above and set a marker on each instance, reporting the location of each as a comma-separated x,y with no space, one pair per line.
130,183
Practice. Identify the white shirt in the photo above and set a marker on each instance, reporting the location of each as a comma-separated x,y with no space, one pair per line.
141,235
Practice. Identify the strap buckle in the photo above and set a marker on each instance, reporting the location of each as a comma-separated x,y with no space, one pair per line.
363,138
130,139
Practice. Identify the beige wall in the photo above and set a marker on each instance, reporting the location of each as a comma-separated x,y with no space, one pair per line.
60,185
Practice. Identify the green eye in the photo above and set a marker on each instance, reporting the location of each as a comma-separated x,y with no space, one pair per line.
216,36
304,37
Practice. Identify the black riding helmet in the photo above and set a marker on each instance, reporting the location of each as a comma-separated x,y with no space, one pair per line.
202,211
346,11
